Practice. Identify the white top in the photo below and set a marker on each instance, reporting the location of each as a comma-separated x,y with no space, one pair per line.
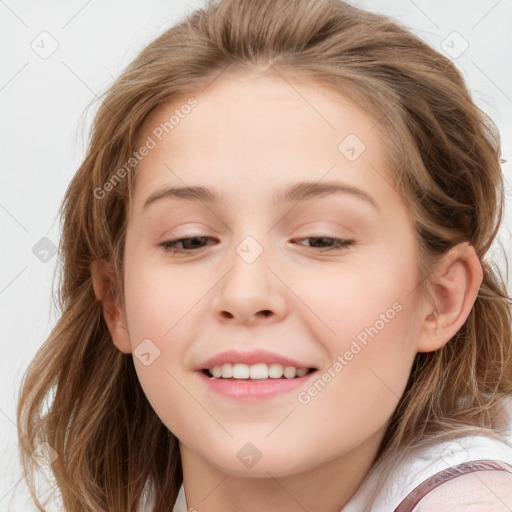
415,469
420,466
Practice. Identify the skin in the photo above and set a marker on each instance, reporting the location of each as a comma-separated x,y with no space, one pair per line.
248,136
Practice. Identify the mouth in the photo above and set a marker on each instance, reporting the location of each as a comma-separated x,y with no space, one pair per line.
252,375
253,383
256,372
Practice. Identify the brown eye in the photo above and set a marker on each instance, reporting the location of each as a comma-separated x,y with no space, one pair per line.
336,243
188,244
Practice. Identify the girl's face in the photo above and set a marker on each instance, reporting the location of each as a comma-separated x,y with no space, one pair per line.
258,270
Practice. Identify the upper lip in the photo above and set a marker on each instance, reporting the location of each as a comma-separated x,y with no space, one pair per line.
250,357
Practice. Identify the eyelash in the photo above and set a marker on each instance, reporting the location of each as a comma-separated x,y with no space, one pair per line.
339,244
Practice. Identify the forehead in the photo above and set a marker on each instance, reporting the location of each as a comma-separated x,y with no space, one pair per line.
249,132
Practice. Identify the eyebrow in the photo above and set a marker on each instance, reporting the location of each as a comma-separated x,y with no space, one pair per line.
294,192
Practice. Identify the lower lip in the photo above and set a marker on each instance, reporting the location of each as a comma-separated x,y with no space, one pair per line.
251,390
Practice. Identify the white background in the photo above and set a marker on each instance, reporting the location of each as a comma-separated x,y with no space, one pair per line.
43,129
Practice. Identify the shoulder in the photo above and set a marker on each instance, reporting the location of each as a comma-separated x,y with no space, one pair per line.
479,491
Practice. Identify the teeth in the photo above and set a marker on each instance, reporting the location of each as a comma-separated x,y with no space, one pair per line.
275,371
240,371
226,371
256,371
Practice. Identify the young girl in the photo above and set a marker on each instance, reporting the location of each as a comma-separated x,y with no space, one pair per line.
275,294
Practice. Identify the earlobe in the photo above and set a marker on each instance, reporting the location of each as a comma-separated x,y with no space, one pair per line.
455,286
113,313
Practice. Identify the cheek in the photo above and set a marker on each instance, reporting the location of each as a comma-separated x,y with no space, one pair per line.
347,299
357,393
371,338
157,300
376,326
156,311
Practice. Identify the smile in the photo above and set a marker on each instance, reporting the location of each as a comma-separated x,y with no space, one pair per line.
245,388
256,371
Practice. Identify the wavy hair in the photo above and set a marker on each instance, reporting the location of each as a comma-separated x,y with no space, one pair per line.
81,395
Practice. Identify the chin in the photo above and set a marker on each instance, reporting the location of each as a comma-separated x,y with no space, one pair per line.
251,460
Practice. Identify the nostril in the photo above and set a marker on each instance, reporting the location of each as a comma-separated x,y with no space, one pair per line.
266,312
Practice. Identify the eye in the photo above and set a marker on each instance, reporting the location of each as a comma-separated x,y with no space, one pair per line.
191,244
172,245
337,243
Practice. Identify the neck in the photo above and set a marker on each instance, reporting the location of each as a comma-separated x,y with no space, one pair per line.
325,488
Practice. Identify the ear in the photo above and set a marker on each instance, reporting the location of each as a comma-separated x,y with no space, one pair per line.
114,314
455,286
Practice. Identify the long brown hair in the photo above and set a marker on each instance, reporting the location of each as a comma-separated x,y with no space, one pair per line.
81,395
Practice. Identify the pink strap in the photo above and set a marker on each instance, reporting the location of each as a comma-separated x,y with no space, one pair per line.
417,494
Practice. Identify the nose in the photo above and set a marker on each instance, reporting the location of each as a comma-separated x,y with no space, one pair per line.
249,293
